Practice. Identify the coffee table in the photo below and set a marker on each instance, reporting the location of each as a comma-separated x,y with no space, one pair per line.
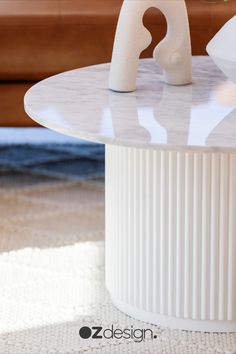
170,187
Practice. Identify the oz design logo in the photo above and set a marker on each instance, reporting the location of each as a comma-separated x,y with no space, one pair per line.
136,334
87,332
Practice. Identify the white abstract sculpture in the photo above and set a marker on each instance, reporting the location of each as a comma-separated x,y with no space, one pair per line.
173,53
222,49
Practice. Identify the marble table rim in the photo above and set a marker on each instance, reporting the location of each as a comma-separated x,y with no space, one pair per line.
110,141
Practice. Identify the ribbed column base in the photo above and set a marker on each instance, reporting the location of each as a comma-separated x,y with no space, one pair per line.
175,322
171,236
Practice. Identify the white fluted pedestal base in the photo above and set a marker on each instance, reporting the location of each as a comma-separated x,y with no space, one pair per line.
171,236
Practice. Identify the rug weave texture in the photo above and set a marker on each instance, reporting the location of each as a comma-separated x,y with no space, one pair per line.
52,274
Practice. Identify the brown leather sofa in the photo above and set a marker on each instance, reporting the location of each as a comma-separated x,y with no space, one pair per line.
39,38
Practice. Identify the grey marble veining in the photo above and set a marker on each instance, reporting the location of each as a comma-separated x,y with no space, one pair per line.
200,116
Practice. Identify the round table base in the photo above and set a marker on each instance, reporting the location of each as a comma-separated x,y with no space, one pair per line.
171,236
175,322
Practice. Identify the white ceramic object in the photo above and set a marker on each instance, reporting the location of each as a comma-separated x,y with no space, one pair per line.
170,187
173,53
222,49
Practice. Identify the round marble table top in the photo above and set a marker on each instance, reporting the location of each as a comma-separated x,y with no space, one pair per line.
201,116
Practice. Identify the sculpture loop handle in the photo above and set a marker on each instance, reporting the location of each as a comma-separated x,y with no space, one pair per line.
173,53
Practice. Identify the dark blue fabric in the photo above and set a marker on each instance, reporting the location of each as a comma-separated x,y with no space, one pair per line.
68,161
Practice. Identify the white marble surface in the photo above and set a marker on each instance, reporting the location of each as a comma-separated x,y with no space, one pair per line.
201,116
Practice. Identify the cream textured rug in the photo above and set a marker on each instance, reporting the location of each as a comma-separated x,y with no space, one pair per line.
52,275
